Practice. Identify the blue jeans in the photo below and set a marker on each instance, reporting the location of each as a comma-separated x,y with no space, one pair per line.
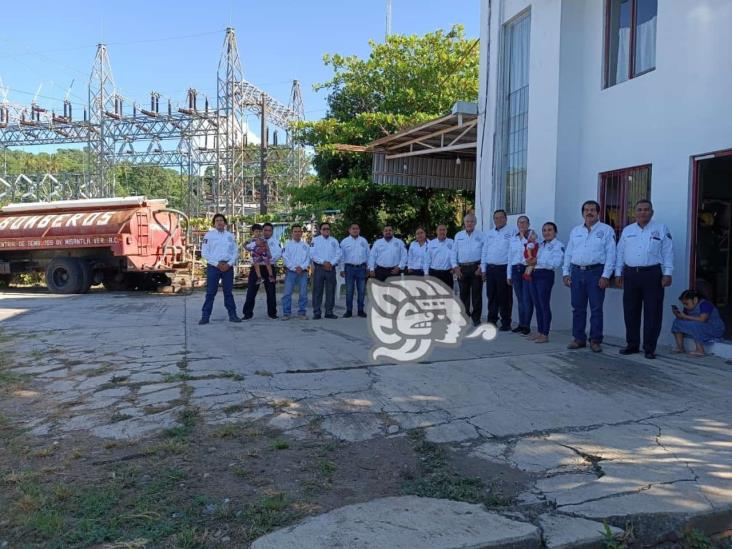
355,276
293,279
523,295
585,288
213,275
541,296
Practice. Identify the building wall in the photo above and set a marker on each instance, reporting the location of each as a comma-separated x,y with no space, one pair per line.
577,129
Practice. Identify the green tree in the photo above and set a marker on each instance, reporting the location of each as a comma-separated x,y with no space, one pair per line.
404,81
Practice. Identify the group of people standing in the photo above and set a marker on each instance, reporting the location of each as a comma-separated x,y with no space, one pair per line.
509,260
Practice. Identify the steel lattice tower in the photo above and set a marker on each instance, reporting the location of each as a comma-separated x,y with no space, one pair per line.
102,99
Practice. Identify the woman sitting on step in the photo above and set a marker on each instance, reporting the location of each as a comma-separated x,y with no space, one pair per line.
699,320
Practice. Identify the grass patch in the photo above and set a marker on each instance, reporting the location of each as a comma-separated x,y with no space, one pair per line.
280,444
232,375
117,417
233,409
268,514
180,376
264,373
96,371
230,430
327,468
10,380
435,478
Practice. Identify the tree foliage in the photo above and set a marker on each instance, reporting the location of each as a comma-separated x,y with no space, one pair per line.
404,81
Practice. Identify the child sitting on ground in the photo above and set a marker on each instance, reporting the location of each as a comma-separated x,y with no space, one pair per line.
261,254
531,250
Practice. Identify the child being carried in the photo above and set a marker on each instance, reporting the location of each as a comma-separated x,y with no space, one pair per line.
261,254
531,250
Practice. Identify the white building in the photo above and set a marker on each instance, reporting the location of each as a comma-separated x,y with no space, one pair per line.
611,100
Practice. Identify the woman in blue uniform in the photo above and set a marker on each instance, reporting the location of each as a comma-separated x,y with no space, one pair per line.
549,258
699,320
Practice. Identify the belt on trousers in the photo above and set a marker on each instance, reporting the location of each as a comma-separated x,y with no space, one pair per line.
355,265
502,267
440,270
644,268
470,264
388,268
587,267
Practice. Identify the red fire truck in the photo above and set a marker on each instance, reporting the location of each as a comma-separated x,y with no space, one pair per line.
123,243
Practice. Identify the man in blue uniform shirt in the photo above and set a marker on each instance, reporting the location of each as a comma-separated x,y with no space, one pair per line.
643,268
388,256
466,258
589,261
354,265
325,251
220,252
269,287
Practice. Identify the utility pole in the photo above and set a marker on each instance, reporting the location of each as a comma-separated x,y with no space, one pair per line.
263,159
388,18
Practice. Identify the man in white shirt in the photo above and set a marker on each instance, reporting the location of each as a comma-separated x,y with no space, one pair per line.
494,263
269,287
325,251
466,259
589,261
388,256
643,268
438,259
296,257
220,252
354,265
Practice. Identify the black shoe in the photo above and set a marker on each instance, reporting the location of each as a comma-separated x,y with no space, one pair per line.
476,323
316,317
650,356
273,317
629,350
505,329
518,329
234,319
362,314
348,314
331,316
247,317
525,330
203,321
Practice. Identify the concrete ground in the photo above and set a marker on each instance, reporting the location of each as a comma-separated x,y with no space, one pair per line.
604,438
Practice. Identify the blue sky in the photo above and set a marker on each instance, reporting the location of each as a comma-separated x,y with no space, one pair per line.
169,46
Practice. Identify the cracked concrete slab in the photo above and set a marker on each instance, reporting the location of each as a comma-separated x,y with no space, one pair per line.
404,523
563,532
602,436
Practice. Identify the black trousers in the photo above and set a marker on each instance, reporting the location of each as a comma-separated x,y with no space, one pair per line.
253,288
471,291
382,273
445,276
642,290
500,297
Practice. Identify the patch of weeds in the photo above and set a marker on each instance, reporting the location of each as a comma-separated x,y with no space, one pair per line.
166,447
230,374
609,541
10,380
280,444
95,371
233,409
118,379
182,364
150,410
266,515
117,417
48,451
694,539
180,376
190,537
327,468
312,487
435,478
264,373
279,405
188,419
241,472
230,430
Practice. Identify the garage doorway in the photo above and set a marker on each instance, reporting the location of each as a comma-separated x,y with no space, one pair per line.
712,252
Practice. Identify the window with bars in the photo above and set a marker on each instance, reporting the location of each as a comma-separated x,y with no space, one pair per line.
619,191
514,115
630,39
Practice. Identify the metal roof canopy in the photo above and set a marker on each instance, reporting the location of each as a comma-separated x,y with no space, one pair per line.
437,154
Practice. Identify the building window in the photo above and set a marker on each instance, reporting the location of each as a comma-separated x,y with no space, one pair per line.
619,191
513,113
630,39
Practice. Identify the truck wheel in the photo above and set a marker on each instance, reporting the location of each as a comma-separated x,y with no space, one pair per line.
64,275
87,276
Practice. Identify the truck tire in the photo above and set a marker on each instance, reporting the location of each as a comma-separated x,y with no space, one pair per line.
114,281
64,275
87,276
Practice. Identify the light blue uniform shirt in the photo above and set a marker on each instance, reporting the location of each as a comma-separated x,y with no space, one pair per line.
496,246
388,254
325,249
550,256
468,248
591,247
296,254
651,245
416,255
439,255
219,246
274,247
354,251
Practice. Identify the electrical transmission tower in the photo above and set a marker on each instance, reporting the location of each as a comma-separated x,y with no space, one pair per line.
189,139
